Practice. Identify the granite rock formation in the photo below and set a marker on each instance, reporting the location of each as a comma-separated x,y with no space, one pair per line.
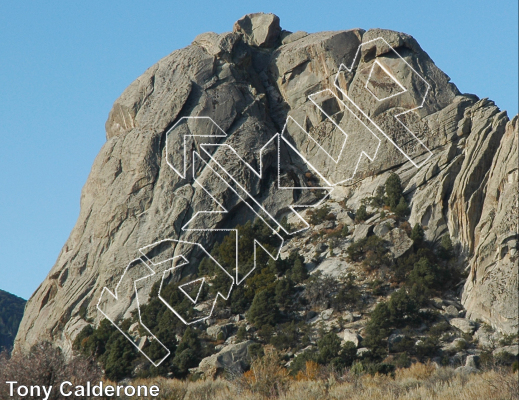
249,82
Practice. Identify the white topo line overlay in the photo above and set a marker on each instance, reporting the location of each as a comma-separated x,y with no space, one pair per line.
345,93
277,226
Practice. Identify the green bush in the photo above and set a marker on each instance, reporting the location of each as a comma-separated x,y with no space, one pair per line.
329,347
264,310
114,352
402,361
428,348
299,273
348,293
403,309
393,190
371,251
320,215
284,291
361,214
286,337
357,251
299,362
446,248
379,200
417,235
254,351
241,335
402,208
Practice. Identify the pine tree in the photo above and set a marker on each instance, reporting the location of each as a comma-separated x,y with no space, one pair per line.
263,310
417,234
284,290
393,190
299,271
402,209
361,214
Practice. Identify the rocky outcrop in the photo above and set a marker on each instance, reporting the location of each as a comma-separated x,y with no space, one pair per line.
233,357
249,82
491,291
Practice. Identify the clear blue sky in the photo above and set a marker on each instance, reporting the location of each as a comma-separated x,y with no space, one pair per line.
63,63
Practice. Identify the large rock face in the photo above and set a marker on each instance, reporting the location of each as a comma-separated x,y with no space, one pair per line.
491,291
249,82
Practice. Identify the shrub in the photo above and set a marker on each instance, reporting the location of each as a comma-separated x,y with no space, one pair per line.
402,308
115,353
267,376
393,190
299,272
241,335
189,352
446,248
314,293
255,350
284,291
417,235
361,214
319,215
346,356
402,361
286,337
379,199
329,346
357,251
377,329
300,361
427,348
348,293
263,310
402,208
46,365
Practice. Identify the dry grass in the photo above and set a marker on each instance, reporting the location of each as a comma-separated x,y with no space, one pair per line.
421,381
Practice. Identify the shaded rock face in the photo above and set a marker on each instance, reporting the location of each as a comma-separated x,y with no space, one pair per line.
11,312
491,291
251,82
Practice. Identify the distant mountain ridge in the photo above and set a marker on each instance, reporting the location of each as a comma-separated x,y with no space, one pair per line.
11,313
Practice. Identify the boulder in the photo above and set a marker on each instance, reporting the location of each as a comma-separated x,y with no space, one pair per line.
259,29
437,302
513,350
362,351
463,324
472,361
381,229
348,316
292,37
362,231
451,311
349,335
332,266
215,330
234,357
326,314
454,345
399,242
486,337
346,218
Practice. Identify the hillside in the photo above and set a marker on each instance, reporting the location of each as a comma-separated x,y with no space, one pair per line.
11,312
332,196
